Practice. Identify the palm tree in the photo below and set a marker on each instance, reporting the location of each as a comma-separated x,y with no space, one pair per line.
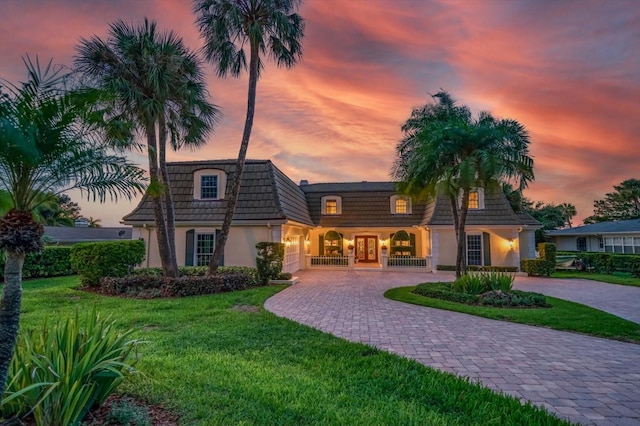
157,83
50,142
445,151
94,223
568,212
266,27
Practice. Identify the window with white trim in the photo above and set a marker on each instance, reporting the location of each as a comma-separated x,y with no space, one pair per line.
400,205
474,249
581,244
476,199
205,244
209,184
331,205
622,244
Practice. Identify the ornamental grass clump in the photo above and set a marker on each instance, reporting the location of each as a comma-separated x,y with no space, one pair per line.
482,282
59,372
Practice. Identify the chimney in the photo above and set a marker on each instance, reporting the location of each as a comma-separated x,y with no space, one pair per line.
304,182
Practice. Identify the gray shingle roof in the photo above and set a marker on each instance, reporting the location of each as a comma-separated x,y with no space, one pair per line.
497,211
363,204
612,227
72,235
265,194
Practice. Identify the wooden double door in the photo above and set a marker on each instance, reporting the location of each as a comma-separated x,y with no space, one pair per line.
366,248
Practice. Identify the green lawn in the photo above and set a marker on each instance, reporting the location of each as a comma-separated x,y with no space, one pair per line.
621,278
223,359
563,315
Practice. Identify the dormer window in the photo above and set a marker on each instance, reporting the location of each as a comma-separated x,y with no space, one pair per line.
476,199
400,205
331,205
209,187
209,184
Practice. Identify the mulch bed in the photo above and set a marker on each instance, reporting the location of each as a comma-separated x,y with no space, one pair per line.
157,414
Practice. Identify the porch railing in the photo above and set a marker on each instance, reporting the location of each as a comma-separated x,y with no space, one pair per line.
409,262
333,261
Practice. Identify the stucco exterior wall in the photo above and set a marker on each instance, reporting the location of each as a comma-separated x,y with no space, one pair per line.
569,243
240,249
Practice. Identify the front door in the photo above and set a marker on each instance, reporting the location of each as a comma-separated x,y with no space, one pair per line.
367,249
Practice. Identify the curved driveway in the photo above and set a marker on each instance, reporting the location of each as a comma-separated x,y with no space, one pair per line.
585,379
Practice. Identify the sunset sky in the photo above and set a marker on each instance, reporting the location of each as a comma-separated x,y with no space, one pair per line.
569,70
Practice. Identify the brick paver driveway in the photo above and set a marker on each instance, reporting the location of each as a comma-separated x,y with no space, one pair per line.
585,379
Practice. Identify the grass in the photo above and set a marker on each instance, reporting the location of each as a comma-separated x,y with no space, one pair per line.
215,363
622,278
562,315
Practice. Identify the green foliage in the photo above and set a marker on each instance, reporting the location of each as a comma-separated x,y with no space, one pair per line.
545,265
201,271
128,413
60,371
106,259
155,285
483,282
621,204
608,263
496,298
269,261
479,268
50,262
284,276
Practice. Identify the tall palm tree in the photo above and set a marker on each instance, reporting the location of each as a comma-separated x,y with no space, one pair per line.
158,84
265,27
446,151
568,212
50,142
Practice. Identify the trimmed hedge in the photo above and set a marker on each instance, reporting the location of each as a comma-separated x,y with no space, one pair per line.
479,268
150,286
201,271
106,259
50,262
545,265
516,299
604,262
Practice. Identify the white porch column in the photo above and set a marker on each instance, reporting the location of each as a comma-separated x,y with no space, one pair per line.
435,246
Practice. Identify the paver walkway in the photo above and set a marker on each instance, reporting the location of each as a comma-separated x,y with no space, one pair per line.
585,379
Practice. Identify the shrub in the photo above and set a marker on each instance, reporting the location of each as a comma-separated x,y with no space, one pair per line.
50,262
479,268
604,262
149,286
495,298
285,276
201,271
106,259
544,265
58,373
482,282
269,261
127,412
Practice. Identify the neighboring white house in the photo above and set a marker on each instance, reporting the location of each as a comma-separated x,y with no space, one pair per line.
618,236
342,225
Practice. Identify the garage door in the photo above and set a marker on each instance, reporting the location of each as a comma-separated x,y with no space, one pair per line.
292,256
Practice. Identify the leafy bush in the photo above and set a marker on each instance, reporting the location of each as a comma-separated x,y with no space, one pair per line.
515,299
50,262
479,268
285,276
544,265
201,271
269,261
58,373
106,259
607,263
482,282
150,286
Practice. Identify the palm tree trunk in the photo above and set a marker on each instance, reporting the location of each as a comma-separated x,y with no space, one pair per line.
168,198
232,198
461,266
158,209
10,313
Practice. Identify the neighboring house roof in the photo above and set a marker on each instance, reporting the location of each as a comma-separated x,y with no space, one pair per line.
497,211
363,204
266,194
612,227
72,235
